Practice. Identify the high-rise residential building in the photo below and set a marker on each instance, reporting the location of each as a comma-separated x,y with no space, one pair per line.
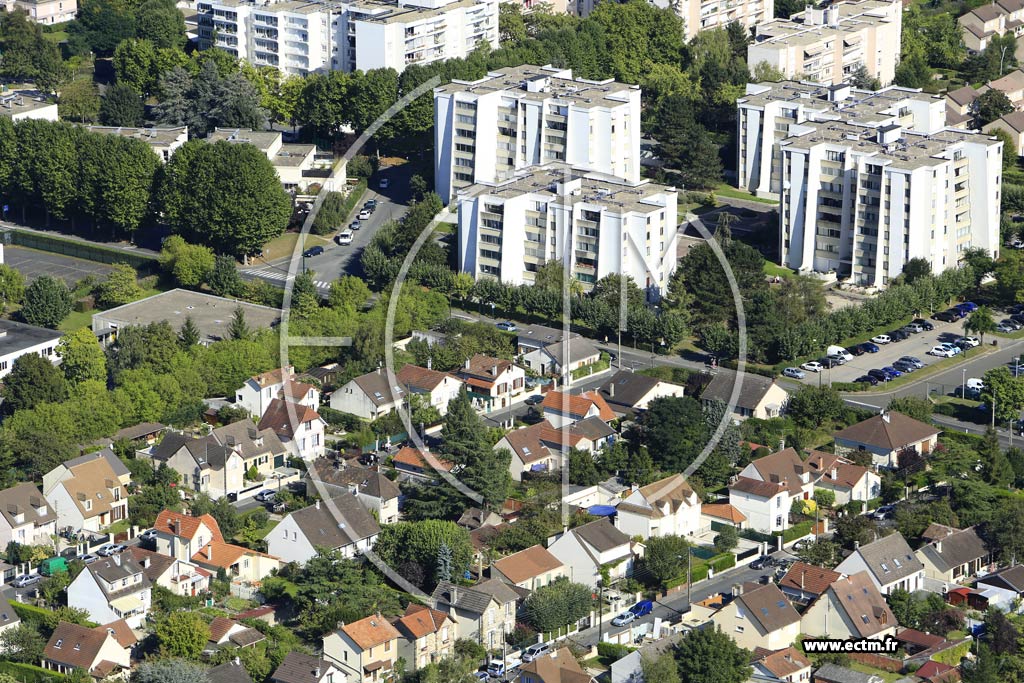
488,130
700,15
299,37
828,45
595,224
868,180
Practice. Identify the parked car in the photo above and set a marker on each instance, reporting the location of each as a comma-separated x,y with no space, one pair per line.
795,373
1018,318
313,251
884,512
913,360
950,316
962,391
25,580
148,535
922,323
506,326
110,549
870,347
840,352
534,651
365,214
904,366
370,204
812,366
801,544
879,375
881,339
763,562
942,351
344,237
857,350
892,372
899,335
969,342
642,608
1012,323
355,225
835,360
953,347
534,400
915,328
1005,327
623,619
967,307
266,495
866,379
87,558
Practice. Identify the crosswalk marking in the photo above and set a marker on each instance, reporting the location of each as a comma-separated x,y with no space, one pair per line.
271,273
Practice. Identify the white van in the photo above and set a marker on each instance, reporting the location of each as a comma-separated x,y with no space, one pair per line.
975,384
840,352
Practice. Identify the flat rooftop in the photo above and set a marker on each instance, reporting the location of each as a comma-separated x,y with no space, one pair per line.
211,314
293,155
392,13
158,137
853,17
16,337
14,102
541,83
595,188
262,139
864,106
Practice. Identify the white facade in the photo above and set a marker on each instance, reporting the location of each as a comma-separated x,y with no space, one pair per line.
700,15
521,117
764,513
597,225
302,37
869,188
583,560
127,598
44,11
828,45
20,339
668,507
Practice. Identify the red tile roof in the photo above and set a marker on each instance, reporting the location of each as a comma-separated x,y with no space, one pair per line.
188,526
414,458
371,631
809,578
420,621
723,511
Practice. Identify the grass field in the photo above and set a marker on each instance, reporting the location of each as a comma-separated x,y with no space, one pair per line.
723,190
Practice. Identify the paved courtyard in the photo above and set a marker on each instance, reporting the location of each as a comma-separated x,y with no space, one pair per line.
32,264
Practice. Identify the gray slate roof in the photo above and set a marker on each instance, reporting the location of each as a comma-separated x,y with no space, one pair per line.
298,667
601,535
107,454
320,527
626,388
375,386
205,451
229,672
370,482
957,549
24,499
890,559
753,391
476,598
833,673
245,435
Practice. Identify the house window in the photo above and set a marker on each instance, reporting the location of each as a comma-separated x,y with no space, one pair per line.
739,629
59,643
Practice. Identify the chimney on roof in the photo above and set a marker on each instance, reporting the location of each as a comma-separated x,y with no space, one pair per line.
494,370
177,527
317,503
856,545
885,416
454,594
316,673
835,473
145,562
938,546
430,363
611,390
803,575
117,559
737,590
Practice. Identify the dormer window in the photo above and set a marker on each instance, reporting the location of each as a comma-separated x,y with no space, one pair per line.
59,643
88,505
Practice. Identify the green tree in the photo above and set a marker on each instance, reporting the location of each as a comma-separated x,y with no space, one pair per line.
984,669
582,468
239,328
1009,148
915,269
169,671
47,302
711,656
824,498
727,539
188,264
980,322
511,27
661,668
81,357
558,604
860,78
991,105
23,643
188,335
12,282
812,406
224,279
120,287
79,101
32,380
905,607
162,23
1005,391
463,436
979,260
121,106
182,634
226,196
27,54
665,558
421,542
135,65
673,430
913,406
348,290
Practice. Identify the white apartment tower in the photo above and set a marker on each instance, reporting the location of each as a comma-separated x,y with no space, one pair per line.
596,224
827,45
868,181
486,131
700,15
299,37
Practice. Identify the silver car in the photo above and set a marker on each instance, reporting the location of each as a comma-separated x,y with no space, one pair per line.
795,373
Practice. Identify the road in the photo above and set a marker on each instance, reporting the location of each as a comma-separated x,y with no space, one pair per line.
338,260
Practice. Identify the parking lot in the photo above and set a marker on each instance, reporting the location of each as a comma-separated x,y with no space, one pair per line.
917,345
32,264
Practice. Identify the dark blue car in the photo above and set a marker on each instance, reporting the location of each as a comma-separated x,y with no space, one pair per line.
892,372
967,307
866,379
870,347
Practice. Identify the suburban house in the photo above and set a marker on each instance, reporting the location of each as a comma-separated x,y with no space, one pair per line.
889,561
298,667
585,549
1009,579
759,397
226,632
299,427
9,619
428,635
955,557
484,613
244,567
89,495
437,388
492,382
25,516
205,465
851,607
589,434
556,667
668,507
376,492
607,492
529,452
411,461
261,449
759,616
339,523
178,576
474,518
806,582
66,469
561,408
181,536
960,107
533,337
788,665
232,671
561,359
784,467
721,514
79,647
528,569
847,480
627,392
885,436
259,390
112,588
1011,85
1012,124
833,673
369,396
980,24
364,650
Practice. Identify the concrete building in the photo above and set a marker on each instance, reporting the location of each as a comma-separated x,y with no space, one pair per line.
700,15
164,141
301,37
18,339
597,224
44,11
979,25
526,116
829,44
27,104
868,180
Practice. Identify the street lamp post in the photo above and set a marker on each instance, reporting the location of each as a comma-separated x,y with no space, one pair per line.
963,384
